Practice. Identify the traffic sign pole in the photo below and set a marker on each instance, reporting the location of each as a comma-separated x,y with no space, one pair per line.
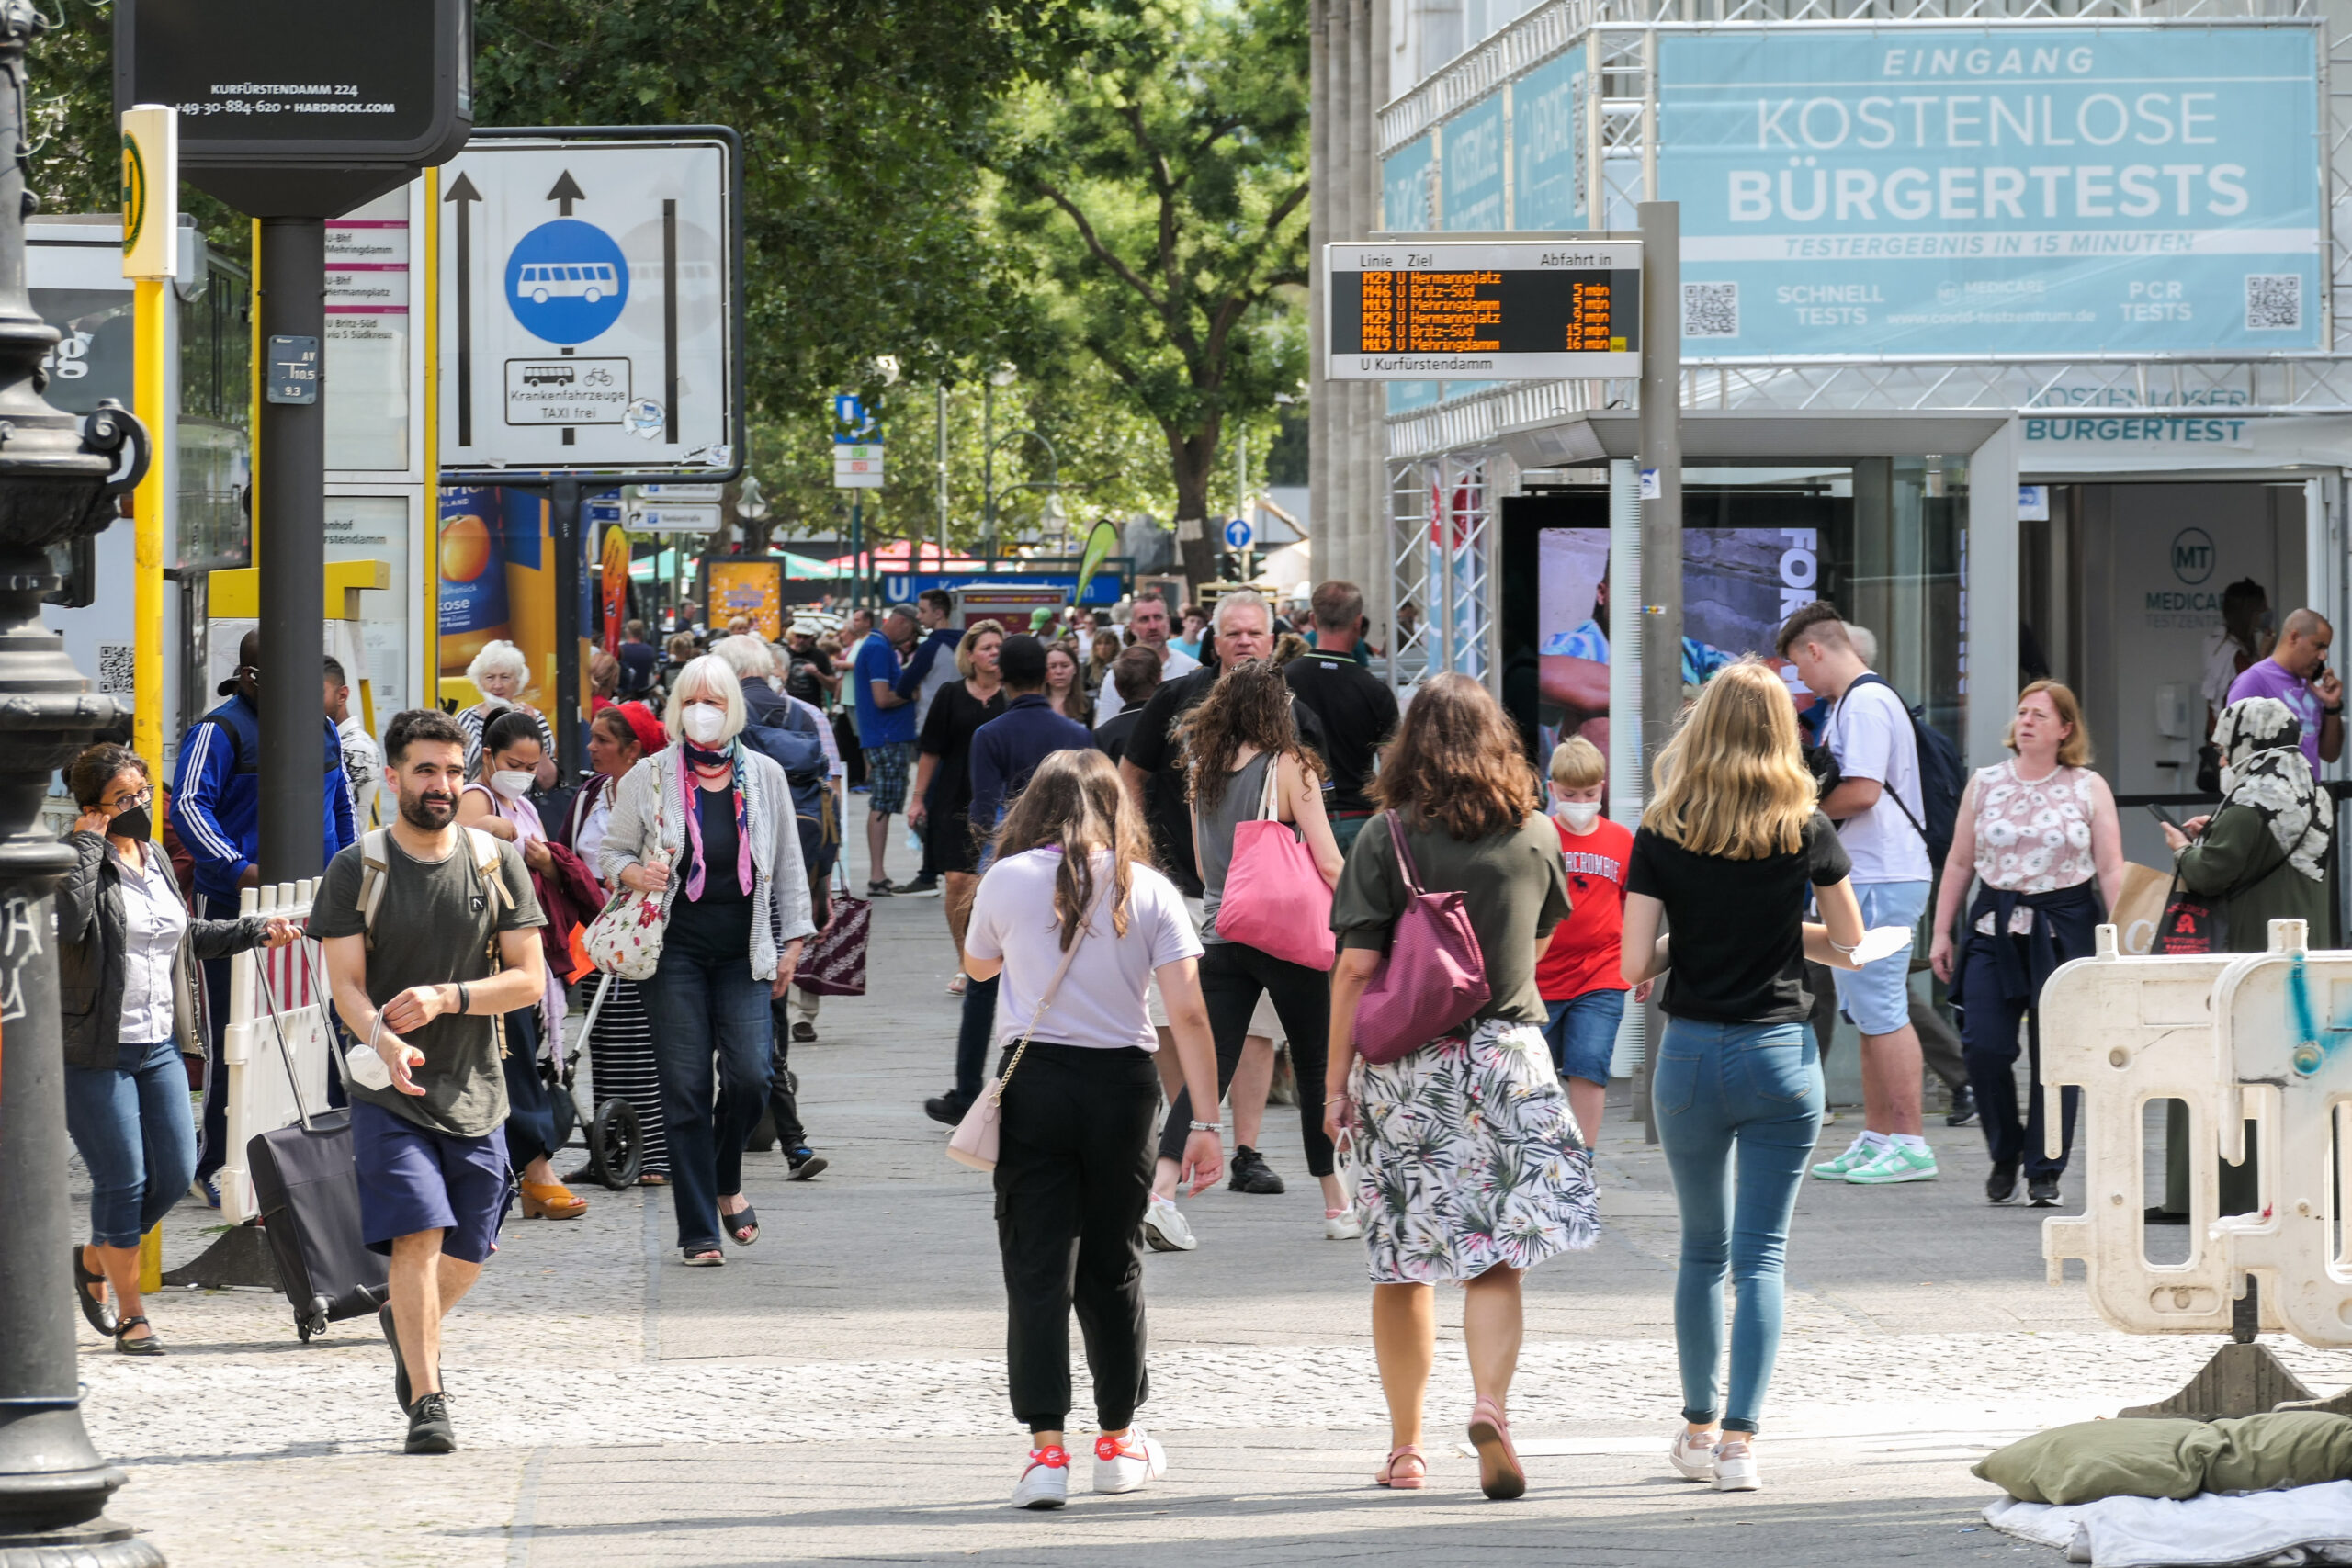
291,545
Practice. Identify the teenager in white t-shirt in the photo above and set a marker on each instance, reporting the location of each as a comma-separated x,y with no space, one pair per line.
1073,1174
1881,814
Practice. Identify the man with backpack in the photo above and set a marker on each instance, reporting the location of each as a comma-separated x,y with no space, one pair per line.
1876,790
428,1113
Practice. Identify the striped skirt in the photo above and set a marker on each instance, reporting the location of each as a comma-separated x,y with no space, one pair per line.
621,1056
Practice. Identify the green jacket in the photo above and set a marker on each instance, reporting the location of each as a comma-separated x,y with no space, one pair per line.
2238,855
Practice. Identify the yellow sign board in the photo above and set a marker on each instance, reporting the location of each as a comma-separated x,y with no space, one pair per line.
150,192
754,588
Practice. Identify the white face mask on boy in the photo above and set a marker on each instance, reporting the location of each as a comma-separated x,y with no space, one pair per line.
1579,815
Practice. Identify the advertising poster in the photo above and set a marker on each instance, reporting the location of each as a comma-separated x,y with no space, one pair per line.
754,588
1973,191
496,583
1735,592
1547,139
613,581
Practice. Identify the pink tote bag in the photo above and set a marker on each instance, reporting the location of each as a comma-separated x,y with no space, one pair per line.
1434,975
1274,899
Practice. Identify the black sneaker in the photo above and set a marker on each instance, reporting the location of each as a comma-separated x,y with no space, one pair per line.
2042,1191
804,1033
804,1164
1251,1174
946,1109
429,1431
2001,1187
1963,1108
920,888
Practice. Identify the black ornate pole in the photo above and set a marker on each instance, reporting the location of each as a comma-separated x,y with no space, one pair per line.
59,477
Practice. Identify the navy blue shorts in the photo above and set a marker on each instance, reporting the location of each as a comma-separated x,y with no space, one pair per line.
1582,1032
412,1179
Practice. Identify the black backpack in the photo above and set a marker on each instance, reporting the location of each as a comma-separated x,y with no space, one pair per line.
1941,777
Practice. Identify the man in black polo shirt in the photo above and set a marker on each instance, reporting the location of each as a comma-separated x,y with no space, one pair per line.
1357,708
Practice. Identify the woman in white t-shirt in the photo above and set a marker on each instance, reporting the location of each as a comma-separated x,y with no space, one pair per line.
1074,868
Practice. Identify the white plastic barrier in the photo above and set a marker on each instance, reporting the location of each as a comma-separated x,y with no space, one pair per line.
261,1096
2127,1031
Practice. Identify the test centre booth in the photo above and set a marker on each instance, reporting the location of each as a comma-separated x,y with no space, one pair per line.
2016,338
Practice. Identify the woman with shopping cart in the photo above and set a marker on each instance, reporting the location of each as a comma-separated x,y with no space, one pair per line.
129,1006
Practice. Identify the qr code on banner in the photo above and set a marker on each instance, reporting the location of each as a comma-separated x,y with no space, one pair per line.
1710,309
2274,301
115,668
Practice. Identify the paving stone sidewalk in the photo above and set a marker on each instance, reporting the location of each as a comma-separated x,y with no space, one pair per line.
836,1392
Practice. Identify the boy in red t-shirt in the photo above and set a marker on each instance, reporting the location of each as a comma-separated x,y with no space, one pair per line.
1578,972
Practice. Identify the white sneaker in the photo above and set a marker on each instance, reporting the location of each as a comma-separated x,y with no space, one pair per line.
1345,1226
1124,1464
1164,1229
1046,1484
1692,1456
1735,1466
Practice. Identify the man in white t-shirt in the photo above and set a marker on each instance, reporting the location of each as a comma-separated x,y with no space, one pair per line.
1881,814
1149,625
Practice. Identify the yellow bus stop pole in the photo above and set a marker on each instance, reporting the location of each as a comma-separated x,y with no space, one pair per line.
151,187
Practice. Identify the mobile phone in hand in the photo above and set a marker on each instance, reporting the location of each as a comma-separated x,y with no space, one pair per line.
2161,814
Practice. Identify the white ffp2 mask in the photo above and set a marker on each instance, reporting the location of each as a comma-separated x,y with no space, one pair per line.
1580,815
512,783
704,723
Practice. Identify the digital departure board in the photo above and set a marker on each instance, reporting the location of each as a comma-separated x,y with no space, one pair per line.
1482,310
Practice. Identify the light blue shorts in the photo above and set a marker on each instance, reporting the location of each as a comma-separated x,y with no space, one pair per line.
1877,998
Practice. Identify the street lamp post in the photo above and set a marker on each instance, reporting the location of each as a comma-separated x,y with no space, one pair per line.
1051,484
59,476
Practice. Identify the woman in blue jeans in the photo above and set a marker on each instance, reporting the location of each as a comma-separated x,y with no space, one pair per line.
127,996
1728,848
708,823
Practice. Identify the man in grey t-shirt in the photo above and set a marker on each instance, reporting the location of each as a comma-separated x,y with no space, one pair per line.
420,984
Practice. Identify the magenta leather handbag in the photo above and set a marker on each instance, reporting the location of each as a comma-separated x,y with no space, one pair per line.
1434,975
1274,898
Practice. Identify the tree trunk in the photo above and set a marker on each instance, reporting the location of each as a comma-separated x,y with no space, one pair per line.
1192,459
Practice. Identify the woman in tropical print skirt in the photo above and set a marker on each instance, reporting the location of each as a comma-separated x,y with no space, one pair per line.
1469,1166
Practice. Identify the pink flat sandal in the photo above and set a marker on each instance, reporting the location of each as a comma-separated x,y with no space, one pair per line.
1500,1475
1410,1454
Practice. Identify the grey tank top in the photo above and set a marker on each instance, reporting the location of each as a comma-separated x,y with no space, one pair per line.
1213,831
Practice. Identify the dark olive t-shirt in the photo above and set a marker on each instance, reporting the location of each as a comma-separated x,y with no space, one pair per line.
1737,953
433,927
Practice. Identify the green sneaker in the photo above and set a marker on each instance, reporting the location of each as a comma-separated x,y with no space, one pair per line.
1857,1154
1894,1164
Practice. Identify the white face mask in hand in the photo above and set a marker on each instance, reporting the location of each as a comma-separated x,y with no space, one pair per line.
1579,815
512,783
704,723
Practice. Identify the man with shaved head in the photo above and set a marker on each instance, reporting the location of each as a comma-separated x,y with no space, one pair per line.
2297,674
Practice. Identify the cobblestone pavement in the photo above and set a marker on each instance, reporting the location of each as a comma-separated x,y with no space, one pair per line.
836,1393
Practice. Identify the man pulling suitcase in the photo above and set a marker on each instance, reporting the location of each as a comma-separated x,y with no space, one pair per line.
429,936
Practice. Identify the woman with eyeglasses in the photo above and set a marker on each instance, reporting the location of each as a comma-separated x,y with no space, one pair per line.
129,1005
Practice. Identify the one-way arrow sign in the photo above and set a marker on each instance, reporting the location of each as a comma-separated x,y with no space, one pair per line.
567,191
463,193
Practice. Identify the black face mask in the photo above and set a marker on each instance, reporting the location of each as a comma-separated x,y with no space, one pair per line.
138,822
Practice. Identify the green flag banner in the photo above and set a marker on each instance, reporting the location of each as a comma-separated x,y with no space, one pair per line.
1099,546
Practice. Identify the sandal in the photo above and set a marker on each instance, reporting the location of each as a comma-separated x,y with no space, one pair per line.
550,1201
1391,1474
743,1224
96,1309
150,1346
1500,1475
704,1257
955,987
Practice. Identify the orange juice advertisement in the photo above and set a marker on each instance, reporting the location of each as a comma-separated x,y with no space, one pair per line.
496,581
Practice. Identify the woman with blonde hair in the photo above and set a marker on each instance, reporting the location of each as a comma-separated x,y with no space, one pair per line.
2039,833
1469,1169
500,673
940,804
1728,851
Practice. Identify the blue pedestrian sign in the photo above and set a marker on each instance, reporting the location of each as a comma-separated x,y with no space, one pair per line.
566,281
1239,535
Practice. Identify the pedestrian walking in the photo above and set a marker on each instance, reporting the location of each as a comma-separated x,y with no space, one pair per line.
638,662
500,671
1131,671
130,1009
429,1140
2040,835
1584,995
929,670
621,1045
1102,650
1065,692
1232,741
362,764
1076,920
1730,844
942,805
713,817
1358,710
499,803
1468,1168
886,732
1880,807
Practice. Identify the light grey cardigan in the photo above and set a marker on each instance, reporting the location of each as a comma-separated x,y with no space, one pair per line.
780,907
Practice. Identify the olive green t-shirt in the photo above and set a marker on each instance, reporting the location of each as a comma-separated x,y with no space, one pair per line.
1514,882
433,926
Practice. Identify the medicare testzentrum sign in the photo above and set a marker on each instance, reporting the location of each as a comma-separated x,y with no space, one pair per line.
2022,189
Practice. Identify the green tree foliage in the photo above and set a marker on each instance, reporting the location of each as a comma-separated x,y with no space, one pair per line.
1160,186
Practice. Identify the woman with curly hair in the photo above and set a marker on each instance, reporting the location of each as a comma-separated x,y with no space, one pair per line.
1469,1166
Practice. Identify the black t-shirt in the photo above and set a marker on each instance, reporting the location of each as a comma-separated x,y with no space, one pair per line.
1738,955
1358,711
1152,746
954,717
1110,735
722,848
801,680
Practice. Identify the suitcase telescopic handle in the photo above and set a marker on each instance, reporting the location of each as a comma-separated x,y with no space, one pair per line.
285,1052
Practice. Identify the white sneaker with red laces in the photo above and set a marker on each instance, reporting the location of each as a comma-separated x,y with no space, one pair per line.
1124,1464
1045,1482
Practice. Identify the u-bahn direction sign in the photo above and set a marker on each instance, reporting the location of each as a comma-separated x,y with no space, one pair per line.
1414,309
590,320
